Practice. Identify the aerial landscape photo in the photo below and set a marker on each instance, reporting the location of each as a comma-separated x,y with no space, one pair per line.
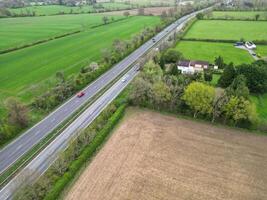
133,100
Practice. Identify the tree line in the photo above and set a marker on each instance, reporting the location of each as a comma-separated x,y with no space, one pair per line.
161,86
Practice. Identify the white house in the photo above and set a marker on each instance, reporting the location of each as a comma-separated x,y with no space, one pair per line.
250,45
191,67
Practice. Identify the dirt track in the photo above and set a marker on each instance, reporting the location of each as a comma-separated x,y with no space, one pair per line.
152,156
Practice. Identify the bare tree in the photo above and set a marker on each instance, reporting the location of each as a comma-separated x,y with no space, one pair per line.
17,113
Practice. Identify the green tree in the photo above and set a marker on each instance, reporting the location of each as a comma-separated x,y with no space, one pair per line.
161,94
152,72
199,97
228,76
200,16
238,87
238,109
172,56
219,62
105,19
256,76
221,98
208,75
257,16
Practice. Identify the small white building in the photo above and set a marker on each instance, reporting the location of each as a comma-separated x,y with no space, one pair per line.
250,45
191,67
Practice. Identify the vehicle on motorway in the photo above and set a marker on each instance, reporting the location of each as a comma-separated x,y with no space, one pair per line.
154,40
80,94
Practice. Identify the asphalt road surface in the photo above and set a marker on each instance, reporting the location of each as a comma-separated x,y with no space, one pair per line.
16,149
33,136
46,157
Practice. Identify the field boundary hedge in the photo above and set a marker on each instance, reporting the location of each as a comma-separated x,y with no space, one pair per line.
86,155
259,42
235,19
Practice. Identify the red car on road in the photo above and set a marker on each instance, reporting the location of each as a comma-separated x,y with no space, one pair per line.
80,94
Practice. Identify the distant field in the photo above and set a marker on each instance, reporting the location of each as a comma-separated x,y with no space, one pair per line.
239,14
151,156
228,30
24,30
209,50
262,50
147,2
55,9
23,68
261,105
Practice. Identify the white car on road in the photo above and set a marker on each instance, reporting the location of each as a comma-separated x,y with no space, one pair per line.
250,45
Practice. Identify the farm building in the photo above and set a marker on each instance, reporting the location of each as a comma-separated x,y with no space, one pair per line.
191,67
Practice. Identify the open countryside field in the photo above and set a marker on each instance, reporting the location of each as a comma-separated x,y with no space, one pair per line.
24,68
239,14
210,50
152,156
56,9
147,2
228,30
261,105
25,30
262,50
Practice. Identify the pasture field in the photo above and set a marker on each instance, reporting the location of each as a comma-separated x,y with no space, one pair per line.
228,30
239,14
210,50
25,30
21,70
262,50
261,102
56,9
153,156
147,2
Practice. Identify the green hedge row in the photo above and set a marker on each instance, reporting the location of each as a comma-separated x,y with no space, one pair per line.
86,155
262,42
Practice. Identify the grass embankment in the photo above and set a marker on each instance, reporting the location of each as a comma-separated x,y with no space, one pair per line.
239,15
262,50
228,30
56,9
24,30
30,66
261,105
210,50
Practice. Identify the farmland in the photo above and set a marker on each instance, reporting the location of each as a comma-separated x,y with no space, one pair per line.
56,9
152,156
24,30
262,50
239,14
24,68
228,30
260,102
210,50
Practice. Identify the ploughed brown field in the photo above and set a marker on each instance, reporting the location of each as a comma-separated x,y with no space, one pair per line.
153,156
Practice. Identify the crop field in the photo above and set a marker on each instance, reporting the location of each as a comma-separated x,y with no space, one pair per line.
24,68
228,30
239,14
152,156
24,30
210,50
56,9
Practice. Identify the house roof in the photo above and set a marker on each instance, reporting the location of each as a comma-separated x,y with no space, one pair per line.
184,63
198,62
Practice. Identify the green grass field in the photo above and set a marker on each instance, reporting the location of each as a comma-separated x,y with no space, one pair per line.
24,68
262,50
55,9
209,50
261,105
239,14
24,30
228,30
